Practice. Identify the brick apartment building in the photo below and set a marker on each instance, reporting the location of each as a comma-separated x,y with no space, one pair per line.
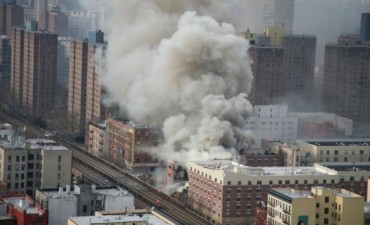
33,71
129,145
228,193
85,90
23,209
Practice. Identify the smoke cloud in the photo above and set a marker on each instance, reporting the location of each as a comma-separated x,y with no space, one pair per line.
176,64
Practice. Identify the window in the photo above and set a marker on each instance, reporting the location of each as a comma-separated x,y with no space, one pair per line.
326,199
239,183
326,210
229,183
317,205
84,208
30,157
59,158
326,221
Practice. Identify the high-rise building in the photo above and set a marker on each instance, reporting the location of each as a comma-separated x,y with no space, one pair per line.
77,86
267,68
58,22
365,27
17,61
34,71
5,57
40,12
85,89
299,65
346,87
278,13
81,22
11,15
319,206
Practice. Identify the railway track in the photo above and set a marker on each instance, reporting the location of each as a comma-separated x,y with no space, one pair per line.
144,193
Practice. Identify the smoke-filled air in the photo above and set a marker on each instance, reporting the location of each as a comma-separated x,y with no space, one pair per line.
172,64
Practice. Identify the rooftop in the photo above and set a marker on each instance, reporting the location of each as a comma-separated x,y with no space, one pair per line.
347,166
88,220
339,142
22,203
289,193
46,144
227,165
71,192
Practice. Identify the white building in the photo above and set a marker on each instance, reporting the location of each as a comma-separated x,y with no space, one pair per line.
81,22
8,135
82,200
274,122
276,13
120,220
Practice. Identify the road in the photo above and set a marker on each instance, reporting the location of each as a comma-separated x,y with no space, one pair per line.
107,173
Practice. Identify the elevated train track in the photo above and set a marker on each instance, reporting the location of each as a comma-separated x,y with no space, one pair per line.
89,165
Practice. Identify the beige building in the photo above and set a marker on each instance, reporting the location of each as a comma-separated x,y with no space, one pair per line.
319,206
275,33
97,139
36,163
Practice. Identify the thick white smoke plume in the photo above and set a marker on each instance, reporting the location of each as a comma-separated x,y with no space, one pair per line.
184,71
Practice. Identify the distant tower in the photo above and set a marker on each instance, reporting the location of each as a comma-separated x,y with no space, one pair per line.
11,15
365,27
278,13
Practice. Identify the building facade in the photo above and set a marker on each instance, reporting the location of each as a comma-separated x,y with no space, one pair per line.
34,71
346,87
299,65
227,193
129,145
5,59
85,89
278,13
11,15
274,122
23,209
319,206
37,163
82,200
97,139
267,67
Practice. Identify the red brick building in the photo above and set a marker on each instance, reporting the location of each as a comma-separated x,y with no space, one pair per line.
24,210
261,214
129,145
11,15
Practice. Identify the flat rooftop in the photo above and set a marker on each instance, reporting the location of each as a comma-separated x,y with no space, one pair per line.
347,166
63,193
46,144
339,142
22,204
89,220
289,193
228,165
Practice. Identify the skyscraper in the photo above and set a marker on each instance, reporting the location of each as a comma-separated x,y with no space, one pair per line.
277,13
11,15
34,65
365,27
346,84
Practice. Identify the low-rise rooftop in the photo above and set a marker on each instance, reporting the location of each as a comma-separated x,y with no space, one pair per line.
144,219
228,165
339,142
